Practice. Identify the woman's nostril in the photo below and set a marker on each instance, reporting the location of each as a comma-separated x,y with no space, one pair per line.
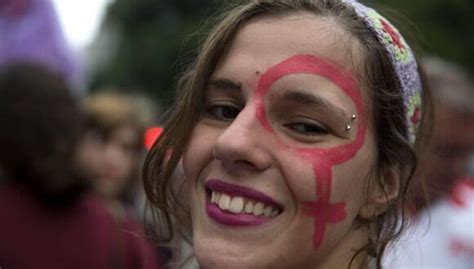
232,165
244,163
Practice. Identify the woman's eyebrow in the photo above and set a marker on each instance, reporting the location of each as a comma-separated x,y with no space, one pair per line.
225,84
303,98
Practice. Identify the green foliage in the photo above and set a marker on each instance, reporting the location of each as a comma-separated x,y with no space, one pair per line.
443,28
152,49
154,41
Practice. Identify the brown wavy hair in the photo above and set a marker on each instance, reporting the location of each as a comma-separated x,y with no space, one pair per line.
393,146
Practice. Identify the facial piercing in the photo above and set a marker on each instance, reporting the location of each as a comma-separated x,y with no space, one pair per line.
348,125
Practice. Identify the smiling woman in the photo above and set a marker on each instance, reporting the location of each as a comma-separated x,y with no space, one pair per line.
295,127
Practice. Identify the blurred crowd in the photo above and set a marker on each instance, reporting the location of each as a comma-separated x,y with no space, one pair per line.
71,194
70,189
442,198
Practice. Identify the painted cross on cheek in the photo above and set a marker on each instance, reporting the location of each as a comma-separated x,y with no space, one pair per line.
321,160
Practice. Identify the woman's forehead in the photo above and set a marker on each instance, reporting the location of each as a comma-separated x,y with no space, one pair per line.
268,40
265,42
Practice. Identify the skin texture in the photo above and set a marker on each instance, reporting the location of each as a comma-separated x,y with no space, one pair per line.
295,151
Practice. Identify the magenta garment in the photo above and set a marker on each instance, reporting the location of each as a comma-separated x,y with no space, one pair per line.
83,236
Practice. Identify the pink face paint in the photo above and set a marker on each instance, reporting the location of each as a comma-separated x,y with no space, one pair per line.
322,160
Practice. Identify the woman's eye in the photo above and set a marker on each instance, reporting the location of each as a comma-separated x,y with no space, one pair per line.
308,129
223,112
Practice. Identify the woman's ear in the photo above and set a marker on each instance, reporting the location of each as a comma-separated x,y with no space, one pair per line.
382,190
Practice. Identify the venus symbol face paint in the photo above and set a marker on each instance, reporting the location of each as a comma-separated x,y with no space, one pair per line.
322,160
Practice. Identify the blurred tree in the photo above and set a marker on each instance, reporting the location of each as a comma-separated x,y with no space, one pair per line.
444,28
152,46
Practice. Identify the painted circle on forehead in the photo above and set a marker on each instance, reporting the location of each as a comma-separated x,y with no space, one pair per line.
321,159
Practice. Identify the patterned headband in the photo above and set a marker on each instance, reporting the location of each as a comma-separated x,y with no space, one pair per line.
402,59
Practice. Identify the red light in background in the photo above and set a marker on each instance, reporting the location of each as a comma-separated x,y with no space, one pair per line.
151,135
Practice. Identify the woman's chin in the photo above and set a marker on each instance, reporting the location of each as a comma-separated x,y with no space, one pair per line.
214,255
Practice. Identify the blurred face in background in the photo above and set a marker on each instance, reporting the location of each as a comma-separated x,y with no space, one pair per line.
110,161
451,148
450,145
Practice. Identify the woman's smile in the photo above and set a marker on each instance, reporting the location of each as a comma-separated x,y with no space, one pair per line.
234,205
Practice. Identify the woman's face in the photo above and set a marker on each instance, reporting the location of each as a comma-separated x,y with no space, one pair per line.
276,178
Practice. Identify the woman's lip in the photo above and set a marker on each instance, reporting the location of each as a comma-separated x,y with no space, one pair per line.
235,190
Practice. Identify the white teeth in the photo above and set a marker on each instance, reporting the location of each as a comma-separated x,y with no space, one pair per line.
236,205
258,209
267,210
248,207
224,201
239,204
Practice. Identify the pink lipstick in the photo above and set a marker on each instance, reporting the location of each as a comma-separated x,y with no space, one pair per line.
235,205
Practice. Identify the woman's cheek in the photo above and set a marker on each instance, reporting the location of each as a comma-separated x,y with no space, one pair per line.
299,177
199,151
350,181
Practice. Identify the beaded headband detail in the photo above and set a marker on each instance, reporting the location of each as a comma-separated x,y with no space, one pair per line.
402,59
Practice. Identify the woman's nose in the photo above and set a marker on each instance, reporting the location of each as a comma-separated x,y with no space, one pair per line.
243,145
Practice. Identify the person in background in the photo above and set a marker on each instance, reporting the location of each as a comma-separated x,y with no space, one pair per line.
442,235
111,153
48,218
112,149
451,146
